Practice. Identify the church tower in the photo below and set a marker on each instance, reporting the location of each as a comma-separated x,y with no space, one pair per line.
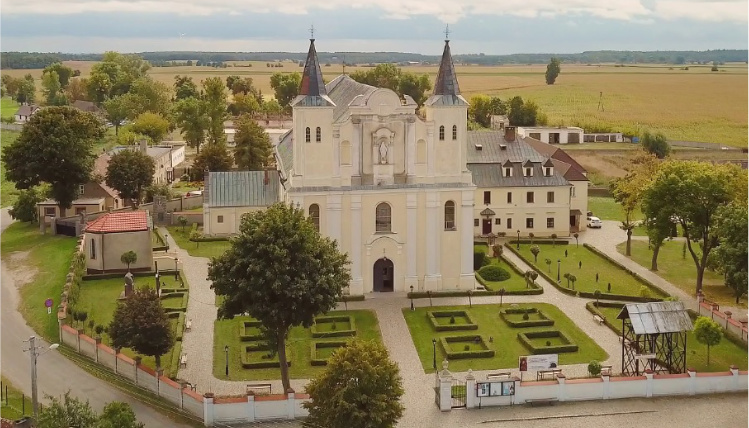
447,111
313,125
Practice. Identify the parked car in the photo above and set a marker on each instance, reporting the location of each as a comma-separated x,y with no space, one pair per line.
594,223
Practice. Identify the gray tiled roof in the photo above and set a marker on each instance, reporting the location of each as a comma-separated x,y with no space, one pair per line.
490,175
491,152
657,317
243,188
343,90
285,151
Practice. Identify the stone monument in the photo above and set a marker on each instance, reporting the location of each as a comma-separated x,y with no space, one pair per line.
128,286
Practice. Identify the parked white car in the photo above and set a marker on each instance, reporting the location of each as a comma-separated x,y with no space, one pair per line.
594,223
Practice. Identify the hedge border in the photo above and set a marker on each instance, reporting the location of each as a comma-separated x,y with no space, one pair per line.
330,319
314,360
243,336
179,329
545,321
626,269
584,294
433,315
350,298
592,307
269,364
525,337
183,305
458,355
542,241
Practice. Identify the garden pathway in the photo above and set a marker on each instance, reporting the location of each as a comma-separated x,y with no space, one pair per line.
609,236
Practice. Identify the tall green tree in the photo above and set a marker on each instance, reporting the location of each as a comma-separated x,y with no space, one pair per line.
152,125
656,144
360,387
140,323
26,90
253,147
64,72
185,88
67,412
285,87
24,208
524,113
415,86
130,172
280,271
215,108
55,147
148,95
707,332
690,193
213,157
190,116
391,77
118,415
730,258
117,110
244,104
553,70
77,89
52,89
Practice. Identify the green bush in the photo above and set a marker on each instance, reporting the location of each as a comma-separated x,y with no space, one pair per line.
453,355
494,273
594,368
314,346
247,337
433,315
524,338
316,333
526,317
270,363
480,259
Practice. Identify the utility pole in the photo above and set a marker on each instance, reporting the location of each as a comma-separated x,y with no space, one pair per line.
33,355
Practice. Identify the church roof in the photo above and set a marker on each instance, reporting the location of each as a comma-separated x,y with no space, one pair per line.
343,90
446,89
312,91
285,151
243,188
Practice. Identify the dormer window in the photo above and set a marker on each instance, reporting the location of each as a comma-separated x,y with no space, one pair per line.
527,171
508,171
548,171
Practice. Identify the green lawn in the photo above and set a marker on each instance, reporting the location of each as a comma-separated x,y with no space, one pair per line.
197,249
226,332
722,356
621,282
506,344
514,283
13,407
607,209
99,299
681,271
49,257
8,108
8,191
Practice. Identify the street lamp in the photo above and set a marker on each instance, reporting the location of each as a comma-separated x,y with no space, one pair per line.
518,239
559,267
158,283
166,241
412,297
34,354
176,269
470,293
226,351
434,354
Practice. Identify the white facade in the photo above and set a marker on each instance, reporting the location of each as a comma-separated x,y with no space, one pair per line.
553,135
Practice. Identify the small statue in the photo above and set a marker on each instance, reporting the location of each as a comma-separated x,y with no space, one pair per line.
383,153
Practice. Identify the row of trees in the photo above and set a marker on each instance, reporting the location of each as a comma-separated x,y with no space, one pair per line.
519,112
68,411
708,203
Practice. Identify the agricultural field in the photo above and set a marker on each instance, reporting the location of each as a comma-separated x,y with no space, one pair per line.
8,108
692,105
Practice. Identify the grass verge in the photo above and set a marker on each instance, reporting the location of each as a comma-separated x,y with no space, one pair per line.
197,249
13,404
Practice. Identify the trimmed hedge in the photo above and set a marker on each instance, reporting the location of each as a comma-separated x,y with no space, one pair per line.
494,273
592,307
331,319
639,278
433,315
179,327
586,294
554,349
480,259
464,293
559,241
314,360
244,336
350,298
544,322
265,364
176,352
457,355
182,305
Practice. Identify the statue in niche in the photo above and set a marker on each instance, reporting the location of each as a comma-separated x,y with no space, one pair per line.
383,152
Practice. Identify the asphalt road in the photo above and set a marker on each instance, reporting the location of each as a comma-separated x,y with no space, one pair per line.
56,374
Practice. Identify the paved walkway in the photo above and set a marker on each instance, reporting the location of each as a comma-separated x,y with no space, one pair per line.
610,235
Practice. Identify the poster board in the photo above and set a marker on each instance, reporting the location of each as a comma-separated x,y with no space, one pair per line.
495,389
538,362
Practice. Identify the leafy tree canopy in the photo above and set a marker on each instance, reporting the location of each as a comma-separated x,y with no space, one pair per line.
482,107
24,208
253,147
69,411
391,77
707,332
215,108
286,87
190,116
656,144
184,88
730,258
62,137
553,70
152,125
130,172
213,157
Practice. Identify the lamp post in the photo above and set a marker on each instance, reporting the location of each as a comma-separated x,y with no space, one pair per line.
176,269
166,241
434,354
226,351
559,267
518,239
34,354
470,303
158,284
412,297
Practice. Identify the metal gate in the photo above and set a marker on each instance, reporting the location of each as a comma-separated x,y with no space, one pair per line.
458,394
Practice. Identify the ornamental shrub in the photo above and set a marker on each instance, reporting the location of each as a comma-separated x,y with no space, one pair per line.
594,368
526,317
494,273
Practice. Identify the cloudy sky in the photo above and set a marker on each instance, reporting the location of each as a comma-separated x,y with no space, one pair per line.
488,26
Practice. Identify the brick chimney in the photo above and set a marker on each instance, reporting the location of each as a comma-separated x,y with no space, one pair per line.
509,133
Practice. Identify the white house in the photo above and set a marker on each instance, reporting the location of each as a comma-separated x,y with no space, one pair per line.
553,134
24,113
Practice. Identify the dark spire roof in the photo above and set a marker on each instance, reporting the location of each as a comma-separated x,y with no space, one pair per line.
312,91
447,81
312,83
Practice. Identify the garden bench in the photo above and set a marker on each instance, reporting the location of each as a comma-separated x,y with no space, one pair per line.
259,387
598,319
543,374
188,324
183,360
542,401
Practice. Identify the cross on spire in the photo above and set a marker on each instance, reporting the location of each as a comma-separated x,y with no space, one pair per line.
447,31
312,32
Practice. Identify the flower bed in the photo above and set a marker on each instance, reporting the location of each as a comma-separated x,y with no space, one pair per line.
473,339
249,331
436,317
511,315
526,339
254,357
315,351
327,326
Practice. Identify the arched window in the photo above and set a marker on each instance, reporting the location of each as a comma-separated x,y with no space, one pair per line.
455,132
314,215
318,134
382,220
307,135
442,133
449,215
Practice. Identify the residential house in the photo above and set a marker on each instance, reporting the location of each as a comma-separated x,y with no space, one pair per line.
165,157
553,134
113,234
87,106
24,113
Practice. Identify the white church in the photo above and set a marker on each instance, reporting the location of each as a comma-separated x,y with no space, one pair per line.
396,185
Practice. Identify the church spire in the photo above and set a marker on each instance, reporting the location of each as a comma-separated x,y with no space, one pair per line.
312,83
447,81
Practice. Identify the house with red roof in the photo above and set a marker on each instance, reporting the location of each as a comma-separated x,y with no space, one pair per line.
115,233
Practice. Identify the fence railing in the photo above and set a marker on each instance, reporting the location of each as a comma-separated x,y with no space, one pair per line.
14,404
725,319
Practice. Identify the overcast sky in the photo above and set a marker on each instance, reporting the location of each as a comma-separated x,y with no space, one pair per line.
488,26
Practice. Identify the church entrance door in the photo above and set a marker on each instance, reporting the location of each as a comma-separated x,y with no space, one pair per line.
383,275
486,226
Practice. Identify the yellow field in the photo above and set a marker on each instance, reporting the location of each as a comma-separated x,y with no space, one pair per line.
692,105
